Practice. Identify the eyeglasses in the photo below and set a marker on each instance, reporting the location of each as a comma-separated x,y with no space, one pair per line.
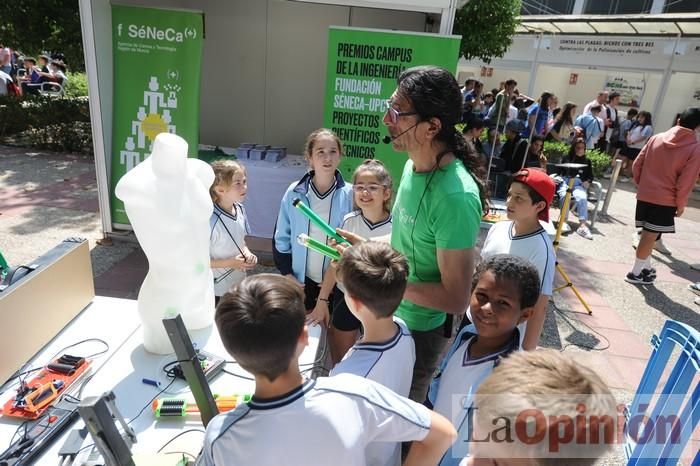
394,114
370,188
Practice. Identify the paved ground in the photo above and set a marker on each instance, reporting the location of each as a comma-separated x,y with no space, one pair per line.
47,197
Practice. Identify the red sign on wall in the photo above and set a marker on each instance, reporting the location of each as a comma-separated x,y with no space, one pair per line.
573,79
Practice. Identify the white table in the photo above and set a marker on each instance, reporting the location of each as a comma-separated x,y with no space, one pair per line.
122,369
267,183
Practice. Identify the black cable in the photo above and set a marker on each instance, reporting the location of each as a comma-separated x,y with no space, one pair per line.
151,401
177,436
21,374
244,377
563,315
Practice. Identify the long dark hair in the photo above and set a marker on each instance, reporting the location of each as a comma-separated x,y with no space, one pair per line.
434,93
572,150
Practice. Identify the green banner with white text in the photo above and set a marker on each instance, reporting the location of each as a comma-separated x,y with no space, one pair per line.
157,59
363,65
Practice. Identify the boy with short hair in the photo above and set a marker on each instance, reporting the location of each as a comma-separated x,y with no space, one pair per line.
261,324
529,196
553,384
505,289
374,276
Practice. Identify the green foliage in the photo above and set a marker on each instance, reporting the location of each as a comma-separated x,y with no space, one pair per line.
77,85
73,137
599,161
555,151
33,26
487,28
61,124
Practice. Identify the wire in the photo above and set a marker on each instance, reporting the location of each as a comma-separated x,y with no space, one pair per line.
151,401
244,377
563,314
177,436
19,375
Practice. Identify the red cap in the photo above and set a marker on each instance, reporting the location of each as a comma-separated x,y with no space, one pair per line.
542,184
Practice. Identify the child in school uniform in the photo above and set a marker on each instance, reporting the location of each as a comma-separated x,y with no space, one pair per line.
529,196
261,324
230,257
505,289
371,219
330,197
549,382
374,276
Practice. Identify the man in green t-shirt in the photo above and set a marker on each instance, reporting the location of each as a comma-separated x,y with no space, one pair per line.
437,212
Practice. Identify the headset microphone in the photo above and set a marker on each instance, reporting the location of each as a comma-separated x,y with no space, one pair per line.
387,139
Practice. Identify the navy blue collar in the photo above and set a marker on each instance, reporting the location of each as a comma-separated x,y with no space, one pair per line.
302,186
282,400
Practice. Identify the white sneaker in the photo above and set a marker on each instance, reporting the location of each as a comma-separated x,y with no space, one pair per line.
624,179
566,228
585,232
661,247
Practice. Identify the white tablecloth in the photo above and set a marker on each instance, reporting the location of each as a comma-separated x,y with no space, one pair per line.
267,183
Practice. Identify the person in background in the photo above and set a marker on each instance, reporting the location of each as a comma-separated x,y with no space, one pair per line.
590,126
621,143
638,135
665,172
563,128
579,196
538,115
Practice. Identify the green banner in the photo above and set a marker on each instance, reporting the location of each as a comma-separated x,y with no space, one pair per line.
363,65
157,60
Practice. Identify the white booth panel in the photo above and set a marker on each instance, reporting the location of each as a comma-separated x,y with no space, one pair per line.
295,71
684,92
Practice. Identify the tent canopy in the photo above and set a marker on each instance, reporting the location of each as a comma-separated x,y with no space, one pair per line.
669,24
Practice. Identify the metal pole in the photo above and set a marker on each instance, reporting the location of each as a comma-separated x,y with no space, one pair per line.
498,122
611,188
666,79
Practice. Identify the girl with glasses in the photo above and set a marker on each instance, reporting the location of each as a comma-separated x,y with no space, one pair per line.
371,218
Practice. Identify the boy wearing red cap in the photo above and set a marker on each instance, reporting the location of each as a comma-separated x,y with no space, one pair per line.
529,196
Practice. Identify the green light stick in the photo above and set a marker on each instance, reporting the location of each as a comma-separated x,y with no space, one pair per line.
318,246
318,221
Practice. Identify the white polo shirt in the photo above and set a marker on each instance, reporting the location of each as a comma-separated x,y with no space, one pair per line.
458,383
320,203
390,364
357,223
535,247
228,232
325,422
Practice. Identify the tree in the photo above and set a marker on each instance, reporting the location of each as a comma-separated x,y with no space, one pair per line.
36,26
487,28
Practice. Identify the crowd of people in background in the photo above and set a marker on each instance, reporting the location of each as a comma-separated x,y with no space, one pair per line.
526,123
26,75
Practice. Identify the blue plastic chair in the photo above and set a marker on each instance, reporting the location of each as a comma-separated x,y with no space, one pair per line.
678,402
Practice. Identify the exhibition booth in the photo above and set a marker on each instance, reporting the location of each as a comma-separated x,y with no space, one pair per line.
245,70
